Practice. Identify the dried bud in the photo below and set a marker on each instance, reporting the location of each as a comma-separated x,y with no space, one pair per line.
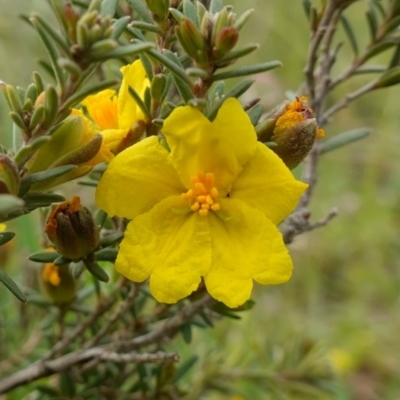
225,41
9,176
58,283
71,228
293,128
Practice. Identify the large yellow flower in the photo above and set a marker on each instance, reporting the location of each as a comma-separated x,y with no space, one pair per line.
209,208
114,116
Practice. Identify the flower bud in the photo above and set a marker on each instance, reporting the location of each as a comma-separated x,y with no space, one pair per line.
293,128
58,283
9,176
225,41
74,143
71,228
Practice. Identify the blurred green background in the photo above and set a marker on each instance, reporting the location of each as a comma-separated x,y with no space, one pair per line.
333,331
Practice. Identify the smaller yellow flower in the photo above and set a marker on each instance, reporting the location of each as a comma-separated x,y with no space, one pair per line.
3,227
115,116
50,274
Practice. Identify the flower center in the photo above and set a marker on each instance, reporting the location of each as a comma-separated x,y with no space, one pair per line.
202,196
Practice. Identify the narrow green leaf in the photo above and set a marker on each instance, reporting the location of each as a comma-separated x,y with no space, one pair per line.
147,65
197,73
106,254
389,78
5,237
241,21
370,69
139,101
395,61
189,10
247,70
96,271
380,48
145,26
237,91
344,138
108,7
372,23
44,199
44,176
11,286
119,27
348,29
171,65
307,7
60,40
110,240
44,256
61,260
141,10
123,51
9,203
53,53
186,331
216,6
185,367
236,54
255,113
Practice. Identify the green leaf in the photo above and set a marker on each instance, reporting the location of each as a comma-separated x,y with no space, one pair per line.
186,331
395,58
141,10
380,47
344,138
106,254
53,53
96,271
255,113
61,260
123,51
236,54
348,29
235,92
108,7
307,7
67,384
370,69
247,70
109,240
5,237
119,27
171,65
44,256
42,198
145,26
9,203
139,101
184,368
44,176
189,10
241,21
216,6
372,23
389,78
11,286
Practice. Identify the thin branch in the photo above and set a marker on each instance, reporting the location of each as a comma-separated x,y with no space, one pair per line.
47,368
171,326
298,223
347,100
312,57
122,308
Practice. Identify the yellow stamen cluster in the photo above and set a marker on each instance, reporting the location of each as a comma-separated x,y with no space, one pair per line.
203,194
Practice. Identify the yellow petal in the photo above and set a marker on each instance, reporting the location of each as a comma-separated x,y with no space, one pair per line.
103,109
136,179
245,246
267,184
134,75
221,147
172,248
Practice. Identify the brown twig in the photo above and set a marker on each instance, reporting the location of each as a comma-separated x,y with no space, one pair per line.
47,368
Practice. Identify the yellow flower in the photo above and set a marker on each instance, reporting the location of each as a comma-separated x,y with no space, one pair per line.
114,116
296,112
3,227
208,209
